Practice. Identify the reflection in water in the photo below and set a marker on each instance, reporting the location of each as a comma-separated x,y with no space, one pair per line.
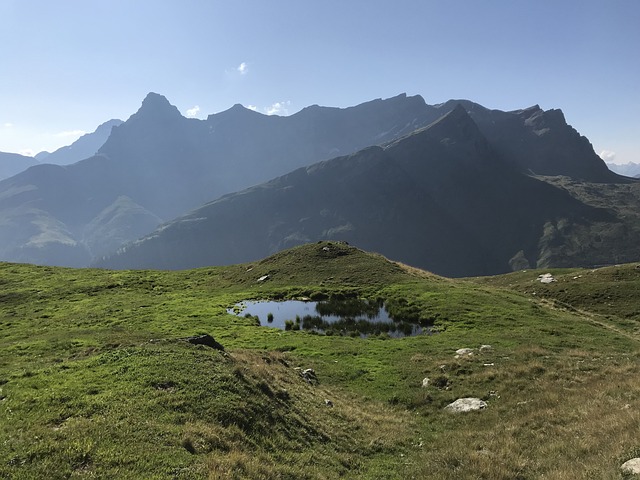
351,316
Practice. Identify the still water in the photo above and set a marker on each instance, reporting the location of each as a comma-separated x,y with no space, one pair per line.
354,317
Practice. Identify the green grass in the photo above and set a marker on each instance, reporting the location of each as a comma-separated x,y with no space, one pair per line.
96,380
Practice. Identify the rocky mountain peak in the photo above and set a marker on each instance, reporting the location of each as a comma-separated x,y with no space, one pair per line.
156,105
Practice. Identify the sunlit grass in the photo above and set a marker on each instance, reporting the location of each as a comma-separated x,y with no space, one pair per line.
96,381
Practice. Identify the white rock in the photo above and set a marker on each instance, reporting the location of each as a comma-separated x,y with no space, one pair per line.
546,278
631,466
466,405
464,352
263,278
425,382
485,348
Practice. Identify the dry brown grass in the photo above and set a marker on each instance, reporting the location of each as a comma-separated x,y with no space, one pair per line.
575,417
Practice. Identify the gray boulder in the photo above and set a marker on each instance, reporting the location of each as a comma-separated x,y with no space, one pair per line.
466,405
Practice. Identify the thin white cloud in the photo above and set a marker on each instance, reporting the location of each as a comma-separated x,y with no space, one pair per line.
27,152
608,156
193,112
243,68
70,133
252,107
278,108
7,125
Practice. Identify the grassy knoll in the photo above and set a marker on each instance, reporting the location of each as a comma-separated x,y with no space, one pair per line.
96,380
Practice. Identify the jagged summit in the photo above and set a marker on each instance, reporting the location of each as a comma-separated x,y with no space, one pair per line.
531,109
236,111
108,125
156,105
455,125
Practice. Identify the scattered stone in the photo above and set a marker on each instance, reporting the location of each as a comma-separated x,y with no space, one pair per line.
546,278
485,348
328,403
466,405
206,340
425,382
325,249
263,278
464,352
631,466
309,375
488,364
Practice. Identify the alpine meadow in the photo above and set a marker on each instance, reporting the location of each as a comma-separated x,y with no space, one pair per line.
320,240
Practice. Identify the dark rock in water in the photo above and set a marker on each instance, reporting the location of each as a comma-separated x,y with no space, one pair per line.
207,340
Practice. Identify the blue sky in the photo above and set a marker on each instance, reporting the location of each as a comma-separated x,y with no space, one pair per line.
67,66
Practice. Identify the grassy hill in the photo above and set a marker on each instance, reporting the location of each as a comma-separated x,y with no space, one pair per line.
98,381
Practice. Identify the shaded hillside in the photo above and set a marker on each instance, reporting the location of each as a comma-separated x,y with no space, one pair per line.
12,163
539,142
439,198
166,165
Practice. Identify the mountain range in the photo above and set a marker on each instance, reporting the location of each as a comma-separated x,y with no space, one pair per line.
627,169
12,163
441,198
86,146
454,187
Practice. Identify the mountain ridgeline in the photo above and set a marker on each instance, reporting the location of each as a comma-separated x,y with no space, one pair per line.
86,146
440,198
13,163
454,188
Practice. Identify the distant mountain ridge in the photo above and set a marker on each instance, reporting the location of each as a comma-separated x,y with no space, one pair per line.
86,146
439,198
13,163
627,169
158,165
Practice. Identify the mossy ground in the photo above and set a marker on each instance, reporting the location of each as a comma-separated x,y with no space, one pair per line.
96,381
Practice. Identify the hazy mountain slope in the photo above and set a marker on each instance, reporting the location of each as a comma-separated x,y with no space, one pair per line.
85,147
439,198
166,164
539,142
12,163
616,240
627,169
186,162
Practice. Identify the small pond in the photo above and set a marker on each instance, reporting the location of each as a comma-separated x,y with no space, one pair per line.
355,317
